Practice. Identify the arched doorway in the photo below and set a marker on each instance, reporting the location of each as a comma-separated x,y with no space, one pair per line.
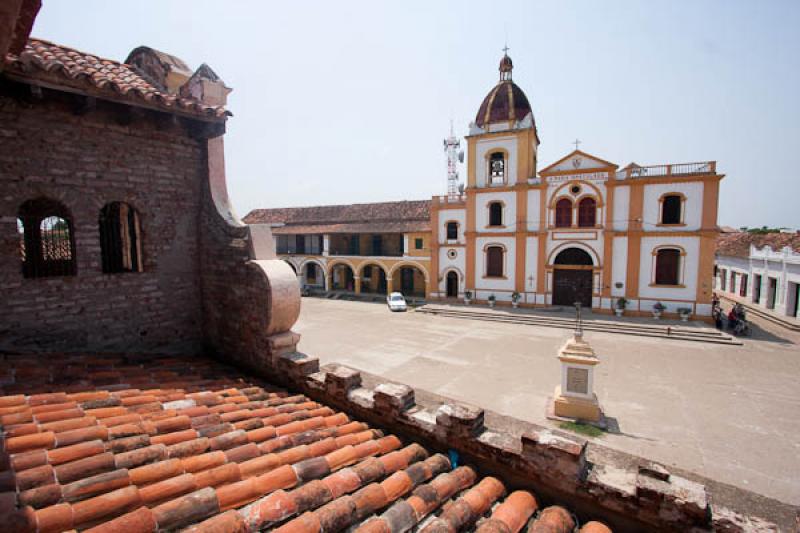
294,268
313,275
572,278
409,280
342,277
373,279
452,284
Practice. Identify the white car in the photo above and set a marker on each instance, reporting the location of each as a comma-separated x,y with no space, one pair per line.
396,302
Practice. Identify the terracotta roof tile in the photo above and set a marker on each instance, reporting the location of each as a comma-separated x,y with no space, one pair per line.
383,217
228,453
46,61
737,244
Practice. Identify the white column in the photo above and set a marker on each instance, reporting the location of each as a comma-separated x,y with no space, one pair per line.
325,244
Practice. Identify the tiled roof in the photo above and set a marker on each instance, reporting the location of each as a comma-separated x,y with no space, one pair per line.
143,444
738,244
63,66
387,217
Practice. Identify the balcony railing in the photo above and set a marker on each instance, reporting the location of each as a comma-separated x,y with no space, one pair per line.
678,169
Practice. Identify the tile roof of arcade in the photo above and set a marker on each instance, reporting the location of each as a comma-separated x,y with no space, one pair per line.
66,67
142,443
386,217
737,244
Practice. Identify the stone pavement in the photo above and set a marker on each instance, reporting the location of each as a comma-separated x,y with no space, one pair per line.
731,413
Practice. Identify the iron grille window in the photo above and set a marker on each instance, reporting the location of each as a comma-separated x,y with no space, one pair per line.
120,239
668,267
47,243
563,213
671,209
452,231
494,262
418,244
587,213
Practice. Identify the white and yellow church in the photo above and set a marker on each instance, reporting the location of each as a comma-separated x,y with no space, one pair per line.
579,230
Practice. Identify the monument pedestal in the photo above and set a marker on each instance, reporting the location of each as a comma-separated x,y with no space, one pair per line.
577,408
575,397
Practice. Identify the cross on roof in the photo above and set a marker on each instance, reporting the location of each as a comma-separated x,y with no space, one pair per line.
506,49
576,142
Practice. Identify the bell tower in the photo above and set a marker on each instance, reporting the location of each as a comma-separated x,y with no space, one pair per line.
502,141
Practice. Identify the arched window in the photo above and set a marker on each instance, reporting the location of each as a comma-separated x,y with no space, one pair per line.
564,213
494,262
497,168
48,244
668,262
587,213
452,231
671,209
495,214
120,238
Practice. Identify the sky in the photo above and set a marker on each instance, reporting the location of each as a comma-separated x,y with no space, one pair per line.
346,102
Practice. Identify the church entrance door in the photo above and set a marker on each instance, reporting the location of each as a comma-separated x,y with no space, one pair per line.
572,278
570,286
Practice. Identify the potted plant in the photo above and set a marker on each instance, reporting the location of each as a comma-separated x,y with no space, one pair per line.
467,297
492,300
658,308
685,313
619,308
515,297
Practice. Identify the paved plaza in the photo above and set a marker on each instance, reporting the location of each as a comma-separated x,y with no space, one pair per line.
731,413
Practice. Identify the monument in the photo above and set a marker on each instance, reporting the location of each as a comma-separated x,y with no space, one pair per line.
575,397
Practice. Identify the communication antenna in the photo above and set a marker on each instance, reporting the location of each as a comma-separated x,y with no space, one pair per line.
454,156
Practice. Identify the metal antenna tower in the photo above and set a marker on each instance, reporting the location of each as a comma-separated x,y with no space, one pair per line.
454,156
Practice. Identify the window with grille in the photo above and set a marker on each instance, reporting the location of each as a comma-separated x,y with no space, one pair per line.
120,239
564,213
587,213
671,209
668,266
495,214
418,244
452,231
497,168
494,262
47,243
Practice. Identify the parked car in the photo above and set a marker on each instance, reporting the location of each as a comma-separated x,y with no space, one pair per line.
396,302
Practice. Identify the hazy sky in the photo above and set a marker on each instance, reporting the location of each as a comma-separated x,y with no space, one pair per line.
341,102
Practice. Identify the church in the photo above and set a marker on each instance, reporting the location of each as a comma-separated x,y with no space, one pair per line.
581,229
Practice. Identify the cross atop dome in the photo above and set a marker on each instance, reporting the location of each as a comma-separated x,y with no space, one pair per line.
506,65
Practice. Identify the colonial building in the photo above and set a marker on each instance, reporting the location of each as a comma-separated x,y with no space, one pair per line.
761,270
361,248
582,229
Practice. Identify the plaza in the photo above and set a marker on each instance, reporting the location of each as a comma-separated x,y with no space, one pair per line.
726,412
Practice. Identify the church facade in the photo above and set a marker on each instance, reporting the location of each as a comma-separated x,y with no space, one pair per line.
582,229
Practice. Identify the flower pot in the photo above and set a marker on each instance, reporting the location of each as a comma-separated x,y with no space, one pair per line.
657,314
491,303
514,304
619,311
685,317
467,301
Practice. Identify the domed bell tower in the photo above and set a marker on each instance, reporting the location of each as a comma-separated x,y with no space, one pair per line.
502,141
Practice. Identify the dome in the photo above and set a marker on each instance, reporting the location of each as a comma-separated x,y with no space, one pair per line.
506,101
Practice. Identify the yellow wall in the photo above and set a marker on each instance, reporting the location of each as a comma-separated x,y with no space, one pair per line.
426,244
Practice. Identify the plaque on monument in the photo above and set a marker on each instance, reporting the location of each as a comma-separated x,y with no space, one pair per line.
578,380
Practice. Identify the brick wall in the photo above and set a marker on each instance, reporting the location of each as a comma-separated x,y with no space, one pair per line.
84,161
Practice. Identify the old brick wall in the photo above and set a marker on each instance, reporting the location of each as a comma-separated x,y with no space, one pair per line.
84,161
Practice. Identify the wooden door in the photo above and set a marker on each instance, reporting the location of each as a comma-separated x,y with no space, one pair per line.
452,285
570,286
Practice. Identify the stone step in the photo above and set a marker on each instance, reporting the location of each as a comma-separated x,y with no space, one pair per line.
675,333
